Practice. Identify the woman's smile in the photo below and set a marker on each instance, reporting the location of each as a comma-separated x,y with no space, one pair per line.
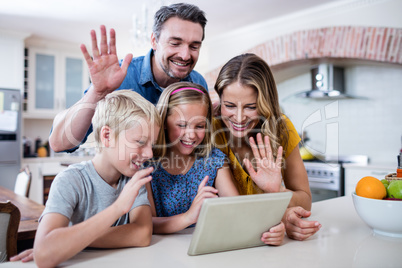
239,109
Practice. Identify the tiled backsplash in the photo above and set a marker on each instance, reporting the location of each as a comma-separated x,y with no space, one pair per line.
370,125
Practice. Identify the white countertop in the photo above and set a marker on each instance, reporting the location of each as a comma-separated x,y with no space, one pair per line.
343,241
62,158
375,165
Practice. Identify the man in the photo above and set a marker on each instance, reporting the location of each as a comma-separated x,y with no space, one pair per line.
178,32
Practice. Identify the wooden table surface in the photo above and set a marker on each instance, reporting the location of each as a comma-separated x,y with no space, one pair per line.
29,209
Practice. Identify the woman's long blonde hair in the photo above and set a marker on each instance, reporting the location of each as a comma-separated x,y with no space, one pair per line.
252,71
191,93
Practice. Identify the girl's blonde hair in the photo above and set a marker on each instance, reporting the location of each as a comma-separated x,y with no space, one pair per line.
121,110
183,93
252,71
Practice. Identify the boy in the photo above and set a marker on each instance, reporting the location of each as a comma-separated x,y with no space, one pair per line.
90,194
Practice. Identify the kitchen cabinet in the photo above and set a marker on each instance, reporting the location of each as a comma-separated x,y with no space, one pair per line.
54,81
353,173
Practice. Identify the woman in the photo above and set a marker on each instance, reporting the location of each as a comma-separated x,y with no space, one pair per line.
251,130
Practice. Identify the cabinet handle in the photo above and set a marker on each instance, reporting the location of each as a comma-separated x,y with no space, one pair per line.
321,181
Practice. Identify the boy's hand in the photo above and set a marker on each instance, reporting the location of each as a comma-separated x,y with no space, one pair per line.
203,193
25,256
131,189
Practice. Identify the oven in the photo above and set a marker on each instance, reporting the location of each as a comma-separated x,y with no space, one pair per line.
326,178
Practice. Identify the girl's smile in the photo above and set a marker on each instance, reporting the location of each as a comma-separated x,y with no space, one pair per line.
186,125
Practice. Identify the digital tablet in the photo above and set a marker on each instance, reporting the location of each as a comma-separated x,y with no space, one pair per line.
229,223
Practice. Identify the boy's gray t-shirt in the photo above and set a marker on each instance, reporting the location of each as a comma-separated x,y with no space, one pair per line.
79,193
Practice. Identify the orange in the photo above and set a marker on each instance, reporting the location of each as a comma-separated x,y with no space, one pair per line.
371,187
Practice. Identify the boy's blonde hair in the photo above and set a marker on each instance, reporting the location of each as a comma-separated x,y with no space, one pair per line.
168,101
121,110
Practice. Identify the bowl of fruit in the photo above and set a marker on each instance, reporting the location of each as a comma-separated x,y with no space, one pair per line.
379,205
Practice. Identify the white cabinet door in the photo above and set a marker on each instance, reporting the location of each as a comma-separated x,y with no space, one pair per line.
45,72
56,81
75,79
354,174
42,81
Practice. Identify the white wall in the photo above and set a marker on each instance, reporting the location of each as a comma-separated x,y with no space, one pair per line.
370,125
34,128
383,13
12,59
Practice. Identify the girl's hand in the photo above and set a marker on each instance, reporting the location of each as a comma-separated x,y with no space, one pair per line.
275,235
202,193
268,175
130,191
105,71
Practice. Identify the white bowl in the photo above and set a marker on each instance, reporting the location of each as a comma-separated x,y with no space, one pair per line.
383,216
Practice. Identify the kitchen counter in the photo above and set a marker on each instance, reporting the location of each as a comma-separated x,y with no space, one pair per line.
376,165
64,158
343,241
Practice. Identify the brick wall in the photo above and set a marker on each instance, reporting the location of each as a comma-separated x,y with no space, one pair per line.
345,42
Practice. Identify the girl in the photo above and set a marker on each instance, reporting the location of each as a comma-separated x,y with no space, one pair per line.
251,130
188,169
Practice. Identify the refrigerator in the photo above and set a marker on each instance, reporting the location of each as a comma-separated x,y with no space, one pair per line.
10,136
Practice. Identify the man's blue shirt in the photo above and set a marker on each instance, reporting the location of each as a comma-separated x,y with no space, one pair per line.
140,79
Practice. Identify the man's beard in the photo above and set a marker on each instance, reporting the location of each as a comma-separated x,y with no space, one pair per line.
168,71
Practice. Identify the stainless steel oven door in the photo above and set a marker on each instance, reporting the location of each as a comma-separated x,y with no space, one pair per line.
324,188
325,180
322,194
328,183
